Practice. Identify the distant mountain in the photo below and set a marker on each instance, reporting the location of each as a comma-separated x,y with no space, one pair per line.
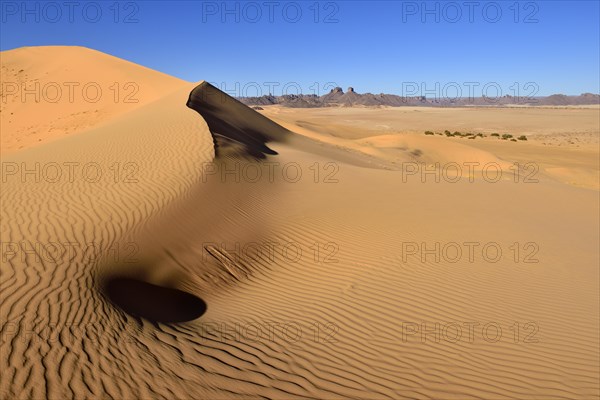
337,98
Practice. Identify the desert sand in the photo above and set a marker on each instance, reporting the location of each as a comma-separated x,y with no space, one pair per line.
153,250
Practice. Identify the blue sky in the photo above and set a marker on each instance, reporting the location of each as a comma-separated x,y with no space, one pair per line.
404,47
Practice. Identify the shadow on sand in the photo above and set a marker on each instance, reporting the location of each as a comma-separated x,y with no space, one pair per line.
153,302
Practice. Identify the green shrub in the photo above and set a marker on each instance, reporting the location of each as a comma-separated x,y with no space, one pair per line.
429,133
513,140
495,134
522,137
506,136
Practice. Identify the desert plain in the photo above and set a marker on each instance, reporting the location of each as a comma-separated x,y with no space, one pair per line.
361,258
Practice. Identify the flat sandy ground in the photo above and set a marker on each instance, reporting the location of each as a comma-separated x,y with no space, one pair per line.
562,142
371,261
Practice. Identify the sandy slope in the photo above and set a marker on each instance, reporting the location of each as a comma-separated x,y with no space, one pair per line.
52,91
334,301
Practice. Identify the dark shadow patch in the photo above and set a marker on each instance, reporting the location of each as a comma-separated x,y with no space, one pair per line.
153,302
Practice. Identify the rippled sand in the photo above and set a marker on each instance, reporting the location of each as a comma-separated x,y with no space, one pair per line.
141,261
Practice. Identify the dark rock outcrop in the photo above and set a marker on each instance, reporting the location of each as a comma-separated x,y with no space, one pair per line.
336,98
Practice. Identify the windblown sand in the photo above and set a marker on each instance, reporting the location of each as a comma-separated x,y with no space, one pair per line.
345,266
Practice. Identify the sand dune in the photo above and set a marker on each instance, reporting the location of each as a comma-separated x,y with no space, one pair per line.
44,97
289,262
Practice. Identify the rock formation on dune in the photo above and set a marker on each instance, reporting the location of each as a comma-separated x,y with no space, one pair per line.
233,125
